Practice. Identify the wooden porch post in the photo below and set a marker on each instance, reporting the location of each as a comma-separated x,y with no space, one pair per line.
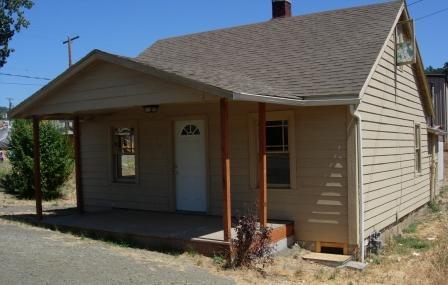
77,141
225,165
262,163
37,180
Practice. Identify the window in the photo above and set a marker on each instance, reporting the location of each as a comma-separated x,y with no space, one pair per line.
418,149
190,130
280,150
124,154
277,154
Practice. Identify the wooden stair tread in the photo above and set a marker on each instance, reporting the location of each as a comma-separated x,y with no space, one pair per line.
327,258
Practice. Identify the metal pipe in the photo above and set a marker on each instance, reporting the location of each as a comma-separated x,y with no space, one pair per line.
356,115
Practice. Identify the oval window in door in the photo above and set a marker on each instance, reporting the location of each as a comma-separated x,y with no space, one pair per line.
190,130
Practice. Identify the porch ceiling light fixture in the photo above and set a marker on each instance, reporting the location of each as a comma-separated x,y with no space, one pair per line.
151,108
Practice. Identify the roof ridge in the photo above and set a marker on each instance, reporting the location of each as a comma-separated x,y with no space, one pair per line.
279,19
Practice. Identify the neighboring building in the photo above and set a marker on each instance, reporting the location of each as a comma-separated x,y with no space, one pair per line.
5,130
438,84
346,131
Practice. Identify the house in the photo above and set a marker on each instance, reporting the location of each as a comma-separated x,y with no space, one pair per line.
438,84
321,119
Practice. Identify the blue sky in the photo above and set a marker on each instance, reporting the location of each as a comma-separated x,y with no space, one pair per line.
128,27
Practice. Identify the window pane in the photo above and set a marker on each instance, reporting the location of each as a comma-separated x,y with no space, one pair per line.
127,165
274,136
124,151
277,135
278,172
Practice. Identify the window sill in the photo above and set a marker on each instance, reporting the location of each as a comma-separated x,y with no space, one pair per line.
124,182
275,189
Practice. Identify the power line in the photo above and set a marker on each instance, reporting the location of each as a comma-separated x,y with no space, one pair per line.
23,84
415,2
25,76
432,14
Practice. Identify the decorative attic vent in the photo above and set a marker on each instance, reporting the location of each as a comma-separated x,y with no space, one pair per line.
405,43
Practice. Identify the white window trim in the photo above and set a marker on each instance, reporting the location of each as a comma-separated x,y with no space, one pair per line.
418,170
253,147
123,124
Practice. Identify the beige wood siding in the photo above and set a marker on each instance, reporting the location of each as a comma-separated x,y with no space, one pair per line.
317,205
390,108
108,86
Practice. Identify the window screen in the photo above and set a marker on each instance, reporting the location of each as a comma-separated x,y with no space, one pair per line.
124,154
277,154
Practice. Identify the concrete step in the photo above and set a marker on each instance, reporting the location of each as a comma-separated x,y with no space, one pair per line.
328,259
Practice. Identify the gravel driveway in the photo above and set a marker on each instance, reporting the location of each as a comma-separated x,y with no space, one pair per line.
37,256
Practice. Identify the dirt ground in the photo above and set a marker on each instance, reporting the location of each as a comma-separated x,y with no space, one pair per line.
30,255
418,256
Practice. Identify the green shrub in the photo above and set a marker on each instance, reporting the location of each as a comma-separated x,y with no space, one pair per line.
56,160
405,244
434,206
412,228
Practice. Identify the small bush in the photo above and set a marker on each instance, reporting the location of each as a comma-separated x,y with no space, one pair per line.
252,245
405,244
56,160
219,260
434,206
412,228
375,259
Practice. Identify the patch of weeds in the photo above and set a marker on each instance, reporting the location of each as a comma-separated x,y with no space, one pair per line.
333,274
405,244
192,252
318,275
434,206
199,262
167,250
350,283
119,243
376,259
219,260
412,228
298,273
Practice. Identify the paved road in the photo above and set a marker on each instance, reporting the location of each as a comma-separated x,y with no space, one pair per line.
36,256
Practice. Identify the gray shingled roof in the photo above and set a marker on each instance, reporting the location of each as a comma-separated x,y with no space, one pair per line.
328,53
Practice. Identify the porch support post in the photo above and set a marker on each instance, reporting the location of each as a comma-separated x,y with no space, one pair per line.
37,180
262,182
77,141
225,164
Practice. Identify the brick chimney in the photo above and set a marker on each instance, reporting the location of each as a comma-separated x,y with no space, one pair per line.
281,8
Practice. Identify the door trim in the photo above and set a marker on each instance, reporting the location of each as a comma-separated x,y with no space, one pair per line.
173,195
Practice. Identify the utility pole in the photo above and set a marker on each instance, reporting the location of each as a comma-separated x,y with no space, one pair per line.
10,102
69,46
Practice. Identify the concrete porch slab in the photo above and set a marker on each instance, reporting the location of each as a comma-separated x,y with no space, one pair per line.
177,231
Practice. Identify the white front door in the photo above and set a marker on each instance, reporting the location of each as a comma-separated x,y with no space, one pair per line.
190,166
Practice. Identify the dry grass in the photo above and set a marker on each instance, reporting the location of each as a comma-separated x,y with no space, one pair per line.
418,256
68,199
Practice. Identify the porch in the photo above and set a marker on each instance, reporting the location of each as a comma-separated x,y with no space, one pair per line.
309,147
158,230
